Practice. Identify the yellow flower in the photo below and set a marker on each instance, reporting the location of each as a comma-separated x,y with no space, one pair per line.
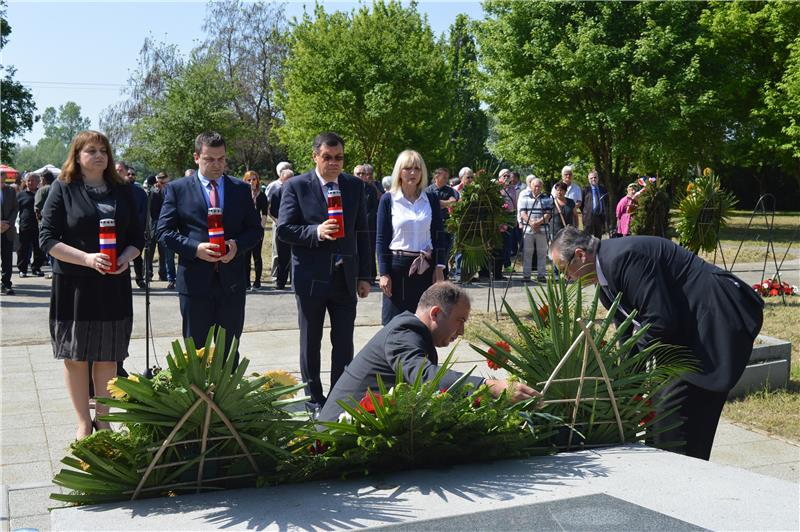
706,171
133,377
116,391
83,465
201,352
280,378
689,187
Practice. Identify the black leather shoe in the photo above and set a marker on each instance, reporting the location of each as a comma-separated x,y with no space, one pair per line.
38,273
140,283
171,285
9,291
23,275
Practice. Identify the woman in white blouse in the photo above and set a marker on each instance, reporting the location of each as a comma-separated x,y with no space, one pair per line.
410,243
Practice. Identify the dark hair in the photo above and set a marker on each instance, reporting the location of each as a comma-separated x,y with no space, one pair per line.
444,295
150,181
71,171
570,238
161,175
442,169
329,138
48,177
212,139
561,186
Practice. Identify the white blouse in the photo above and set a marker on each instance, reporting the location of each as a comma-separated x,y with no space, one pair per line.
411,223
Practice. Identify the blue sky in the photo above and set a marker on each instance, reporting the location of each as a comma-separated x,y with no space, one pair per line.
85,51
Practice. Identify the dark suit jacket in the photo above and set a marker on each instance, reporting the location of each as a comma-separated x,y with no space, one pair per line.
687,302
302,208
70,216
372,198
405,341
183,225
588,204
10,208
262,203
385,232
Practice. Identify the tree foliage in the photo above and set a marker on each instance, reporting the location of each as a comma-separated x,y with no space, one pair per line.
197,100
16,101
251,41
60,127
374,75
596,80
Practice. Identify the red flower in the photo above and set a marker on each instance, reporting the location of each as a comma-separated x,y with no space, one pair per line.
544,313
651,414
477,401
366,402
493,353
318,447
787,290
648,418
774,292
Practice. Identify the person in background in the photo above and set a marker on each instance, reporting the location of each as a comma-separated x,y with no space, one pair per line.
465,176
411,244
279,168
625,209
190,172
534,211
91,304
282,251
8,234
166,257
29,229
365,173
564,209
447,198
262,207
386,183
509,195
595,207
128,174
39,200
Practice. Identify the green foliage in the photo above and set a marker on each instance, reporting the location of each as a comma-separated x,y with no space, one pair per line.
64,124
196,100
46,151
702,212
16,101
108,466
651,217
635,374
419,424
375,76
476,222
568,81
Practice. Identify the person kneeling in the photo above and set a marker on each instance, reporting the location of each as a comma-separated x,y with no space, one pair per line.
409,341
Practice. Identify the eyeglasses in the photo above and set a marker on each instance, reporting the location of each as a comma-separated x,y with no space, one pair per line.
131,174
327,158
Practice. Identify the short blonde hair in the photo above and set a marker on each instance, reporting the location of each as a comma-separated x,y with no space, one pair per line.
409,159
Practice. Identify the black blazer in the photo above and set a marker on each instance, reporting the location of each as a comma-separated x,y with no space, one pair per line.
403,341
687,302
588,203
183,225
70,216
385,232
302,208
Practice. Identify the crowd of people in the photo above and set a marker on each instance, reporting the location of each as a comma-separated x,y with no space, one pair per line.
335,236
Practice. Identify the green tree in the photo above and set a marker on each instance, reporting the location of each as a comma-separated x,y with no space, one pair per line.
567,81
46,151
198,100
64,124
374,75
469,127
16,101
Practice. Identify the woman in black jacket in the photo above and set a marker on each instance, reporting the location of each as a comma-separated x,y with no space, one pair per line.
91,307
410,243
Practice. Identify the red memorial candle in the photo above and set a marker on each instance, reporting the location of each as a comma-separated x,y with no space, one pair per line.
108,241
335,211
216,233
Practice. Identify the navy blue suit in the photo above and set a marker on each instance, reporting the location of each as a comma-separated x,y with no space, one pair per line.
319,284
210,293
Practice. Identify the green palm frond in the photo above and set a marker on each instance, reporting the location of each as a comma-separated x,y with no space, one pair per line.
702,212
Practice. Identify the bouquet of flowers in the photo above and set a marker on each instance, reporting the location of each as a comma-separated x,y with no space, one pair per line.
703,211
535,354
773,287
419,424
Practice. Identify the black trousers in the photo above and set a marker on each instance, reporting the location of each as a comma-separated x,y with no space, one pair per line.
596,225
257,262
406,289
698,410
29,246
341,307
217,306
6,258
138,268
284,263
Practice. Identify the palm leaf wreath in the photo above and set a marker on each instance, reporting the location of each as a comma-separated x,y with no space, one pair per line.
703,211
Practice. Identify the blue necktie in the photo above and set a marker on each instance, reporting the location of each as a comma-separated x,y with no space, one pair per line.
597,207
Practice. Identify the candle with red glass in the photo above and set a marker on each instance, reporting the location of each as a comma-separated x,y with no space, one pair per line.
216,233
108,241
335,211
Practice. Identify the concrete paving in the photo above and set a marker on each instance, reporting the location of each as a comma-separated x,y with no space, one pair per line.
38,423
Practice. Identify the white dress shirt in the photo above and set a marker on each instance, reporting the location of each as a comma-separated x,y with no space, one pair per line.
411,223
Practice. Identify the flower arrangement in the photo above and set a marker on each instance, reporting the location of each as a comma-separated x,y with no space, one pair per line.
773,287
477,222
541,341
703,211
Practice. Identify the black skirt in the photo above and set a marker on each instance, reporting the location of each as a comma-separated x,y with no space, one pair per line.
91,317
406,289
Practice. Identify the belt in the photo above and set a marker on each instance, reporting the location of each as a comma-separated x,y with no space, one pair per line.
402,253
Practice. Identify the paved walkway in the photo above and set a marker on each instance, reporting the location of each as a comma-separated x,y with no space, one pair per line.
38,422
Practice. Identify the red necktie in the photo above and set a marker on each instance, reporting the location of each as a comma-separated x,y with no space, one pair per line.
214,196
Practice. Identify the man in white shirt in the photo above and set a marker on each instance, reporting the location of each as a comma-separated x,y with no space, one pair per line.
573,191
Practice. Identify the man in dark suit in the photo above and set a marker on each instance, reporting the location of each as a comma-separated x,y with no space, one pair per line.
281,248
595,207
8,234
409,342
326,271
686,302
128,174
365,173
211,282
